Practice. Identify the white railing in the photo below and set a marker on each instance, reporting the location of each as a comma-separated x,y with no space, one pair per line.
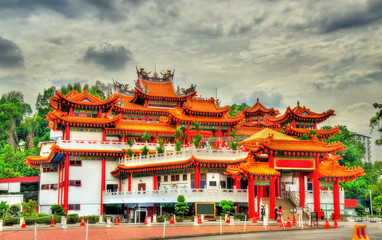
165,196
187,153
325,196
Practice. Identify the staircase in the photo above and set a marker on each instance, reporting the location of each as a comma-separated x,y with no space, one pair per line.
285,204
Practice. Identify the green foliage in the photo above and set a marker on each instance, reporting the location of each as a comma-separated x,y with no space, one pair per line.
375,121
240,216
309,135
211,142
376,189
29,208
181,208
73,218
236,108
3,208
11,220
360,210
161,218
377,204
227,206
145,136
57,209
42,102
178,145
145,150
234,143
14,208
130,142
178,139
355,189
129,152
160,148
198,138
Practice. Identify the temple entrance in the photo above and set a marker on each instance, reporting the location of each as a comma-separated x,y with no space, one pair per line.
141,186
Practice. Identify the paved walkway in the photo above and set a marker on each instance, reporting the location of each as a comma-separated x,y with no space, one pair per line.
133,231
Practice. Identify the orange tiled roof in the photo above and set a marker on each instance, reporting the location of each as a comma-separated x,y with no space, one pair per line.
259,109
301,131
129,106
330,168
250,167
83,152
204,106
135,126
301,113
62,118
35,161
240,131
270,140
259,125
83,99
179,114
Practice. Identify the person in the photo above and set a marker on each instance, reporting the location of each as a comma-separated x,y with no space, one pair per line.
280,212
322,214
262,212
276,213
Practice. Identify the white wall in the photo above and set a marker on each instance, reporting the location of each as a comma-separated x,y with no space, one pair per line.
12,199
148,180
75,135
12,187
48,197
110,179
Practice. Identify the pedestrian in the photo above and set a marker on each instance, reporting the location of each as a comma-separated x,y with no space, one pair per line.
280,211
322,214
276,213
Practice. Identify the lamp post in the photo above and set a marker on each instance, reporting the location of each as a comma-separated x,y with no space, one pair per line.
371,203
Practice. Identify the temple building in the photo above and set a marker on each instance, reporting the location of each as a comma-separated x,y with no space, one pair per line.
118,156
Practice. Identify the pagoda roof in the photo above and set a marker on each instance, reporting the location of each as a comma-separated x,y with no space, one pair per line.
126,105
321,132
198,105
35,161
177,114
259,109
56,117
260,125
83,99
273,141
140,127
251,167
301,113
184,163
330,168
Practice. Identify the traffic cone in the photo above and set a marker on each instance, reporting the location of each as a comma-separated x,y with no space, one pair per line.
199,220
145,220
172,220
82,222
294,220
335,224
116,223
227,220
23,225
288,222
254,220
327,224
52,223
278,218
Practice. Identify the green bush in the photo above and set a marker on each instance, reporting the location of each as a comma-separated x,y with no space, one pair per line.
11,220
73,218
240,216
179,218
92,218
14,208
43,215
105,217
57,209
38,220
161,218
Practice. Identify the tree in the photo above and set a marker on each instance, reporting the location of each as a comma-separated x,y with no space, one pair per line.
29,208
3,208
145,136
309,135
236,108
145,150
377,204
181,208
375,121
14,209
178,139
160,148
227,206
233,144
360,210
57,209
42,102
198,138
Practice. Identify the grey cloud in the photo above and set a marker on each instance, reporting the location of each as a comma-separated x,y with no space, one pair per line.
59,40
267,98
10,54
108,56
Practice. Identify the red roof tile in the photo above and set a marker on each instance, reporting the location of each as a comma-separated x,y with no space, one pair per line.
259,109
204,106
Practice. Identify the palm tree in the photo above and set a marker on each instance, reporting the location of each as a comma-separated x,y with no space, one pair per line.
198,138
178,139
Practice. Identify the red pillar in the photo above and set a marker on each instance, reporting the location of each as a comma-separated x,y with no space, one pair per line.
99,113
250,118
66,187
71,112
294,123
315,125
178,104
336,199
259,197
120,183
302,189
103,135
219,136
59,184
251,198
121,114
146,103
67,132
188,134
272,198
316,187
237,183
258,118
147,117
155,187
129,182
197,177
278,187
123,138
103,180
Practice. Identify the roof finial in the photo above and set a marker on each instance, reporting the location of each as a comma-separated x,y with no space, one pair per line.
85,88
74,88
257,99
298,103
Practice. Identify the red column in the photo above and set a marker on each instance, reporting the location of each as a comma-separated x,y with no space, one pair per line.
237,183
219,136
67,132
155,187
302,188
250,118
315,125
258,118
120,183
316,187
278,187
197,177
103,180
59,183
272,198
251,198
99,113
294,123
129,182
188,134
103,135
178,104
259,197
271,160
71,112
147,117
121,114
146,103
66,187
336,199
123,138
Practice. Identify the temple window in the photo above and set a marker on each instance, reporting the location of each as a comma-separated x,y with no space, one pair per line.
75,163
85,113
75,207
212,183
45,187
184,177
165,179
174,178
53,186
49,167
74,182
158,178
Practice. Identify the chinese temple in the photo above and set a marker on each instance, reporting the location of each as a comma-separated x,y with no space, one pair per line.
98,149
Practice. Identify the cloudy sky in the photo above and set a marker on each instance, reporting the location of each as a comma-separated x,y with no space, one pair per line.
326,54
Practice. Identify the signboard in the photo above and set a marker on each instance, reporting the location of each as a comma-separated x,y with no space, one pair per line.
205,208
295,162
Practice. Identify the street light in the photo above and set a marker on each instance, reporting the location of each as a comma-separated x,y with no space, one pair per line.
371,203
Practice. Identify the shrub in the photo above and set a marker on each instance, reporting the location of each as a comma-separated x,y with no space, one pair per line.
43,215
360,209
29,208
57,209
161,218
14,209
3,208
92,218
240,216
11,220
38,220
179,218
72,218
